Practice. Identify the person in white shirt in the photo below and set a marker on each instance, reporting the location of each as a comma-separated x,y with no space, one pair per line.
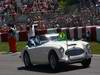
31,31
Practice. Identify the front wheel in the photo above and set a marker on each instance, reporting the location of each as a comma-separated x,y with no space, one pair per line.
53,61
86,62
26,60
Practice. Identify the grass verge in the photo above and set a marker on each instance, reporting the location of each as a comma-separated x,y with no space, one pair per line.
4,47
95,47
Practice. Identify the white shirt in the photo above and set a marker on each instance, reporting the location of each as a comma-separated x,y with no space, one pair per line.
31,32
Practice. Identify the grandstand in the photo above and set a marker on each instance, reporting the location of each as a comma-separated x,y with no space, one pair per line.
47,14
25,12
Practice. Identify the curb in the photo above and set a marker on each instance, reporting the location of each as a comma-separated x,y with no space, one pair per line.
96,54
9,53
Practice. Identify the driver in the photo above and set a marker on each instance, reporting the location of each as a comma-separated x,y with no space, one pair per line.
33,41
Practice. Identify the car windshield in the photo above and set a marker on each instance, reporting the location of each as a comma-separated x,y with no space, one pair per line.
43,39
37,40
53,38
31,42
57,37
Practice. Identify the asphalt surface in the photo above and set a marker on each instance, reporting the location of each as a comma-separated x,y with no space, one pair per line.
11,64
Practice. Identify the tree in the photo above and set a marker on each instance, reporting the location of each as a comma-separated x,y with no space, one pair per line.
63,4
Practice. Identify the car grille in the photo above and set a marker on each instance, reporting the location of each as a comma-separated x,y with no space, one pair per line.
74,51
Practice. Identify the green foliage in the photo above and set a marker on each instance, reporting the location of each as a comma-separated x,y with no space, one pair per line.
61,4
65,3
71,2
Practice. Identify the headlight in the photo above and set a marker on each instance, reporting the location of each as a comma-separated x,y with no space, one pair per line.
61,50
88,46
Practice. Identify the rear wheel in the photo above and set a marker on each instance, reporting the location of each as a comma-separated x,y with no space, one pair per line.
53,60
86,62
26,60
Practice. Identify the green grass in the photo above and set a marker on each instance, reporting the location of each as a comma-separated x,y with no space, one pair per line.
4,47
95,47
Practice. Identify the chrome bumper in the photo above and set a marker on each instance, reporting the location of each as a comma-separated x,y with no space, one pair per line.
73,59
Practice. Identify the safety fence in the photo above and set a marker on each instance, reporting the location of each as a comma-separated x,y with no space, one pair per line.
72,33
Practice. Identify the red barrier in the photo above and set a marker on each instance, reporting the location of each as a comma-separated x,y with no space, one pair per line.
75,33
93,33
23,36
40,32
84,32
58,30
4,37
68,33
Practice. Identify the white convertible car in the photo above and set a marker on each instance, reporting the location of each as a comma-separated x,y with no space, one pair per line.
47,49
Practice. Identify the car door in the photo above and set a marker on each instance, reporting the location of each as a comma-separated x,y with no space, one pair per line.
39,54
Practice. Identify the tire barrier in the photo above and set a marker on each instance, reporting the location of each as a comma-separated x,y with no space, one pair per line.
58,30
93,34
4,37
84,32
40,32
23,36
91,31
76,33
68,34
72,33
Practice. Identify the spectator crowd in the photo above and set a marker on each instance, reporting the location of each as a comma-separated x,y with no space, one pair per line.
42,11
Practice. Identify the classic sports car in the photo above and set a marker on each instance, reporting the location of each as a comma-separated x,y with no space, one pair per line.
48,49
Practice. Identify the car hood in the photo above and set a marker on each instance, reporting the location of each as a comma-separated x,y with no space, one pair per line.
66,44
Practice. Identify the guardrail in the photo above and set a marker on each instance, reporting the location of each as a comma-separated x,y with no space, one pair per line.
73,33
